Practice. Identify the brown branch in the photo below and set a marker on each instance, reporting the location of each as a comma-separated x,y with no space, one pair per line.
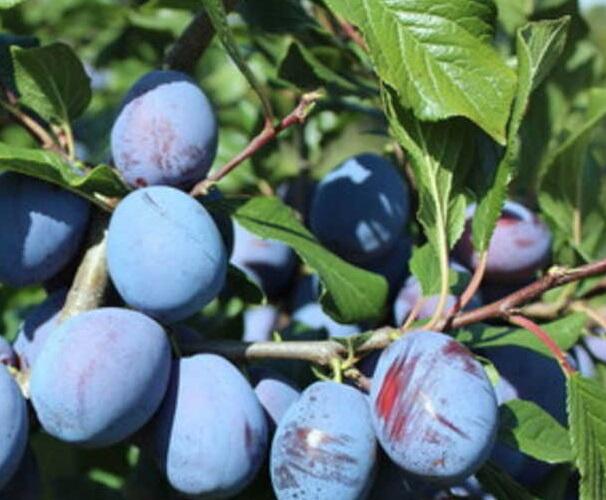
352,33
89,285
193,42
554,278
470,290
545,339
269,133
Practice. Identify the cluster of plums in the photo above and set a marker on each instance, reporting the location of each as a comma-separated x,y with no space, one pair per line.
108,375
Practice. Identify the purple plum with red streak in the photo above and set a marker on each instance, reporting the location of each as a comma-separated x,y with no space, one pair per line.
13,426
210,434
324,446
411,293
101,376
7,354
433,407
37,327
269,263
165,133
520,246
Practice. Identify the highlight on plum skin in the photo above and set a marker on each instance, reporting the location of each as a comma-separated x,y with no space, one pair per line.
324,446
100,376
520,246
433,408
166,132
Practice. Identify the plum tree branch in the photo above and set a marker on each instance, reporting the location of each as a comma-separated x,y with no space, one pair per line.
193,42
269,133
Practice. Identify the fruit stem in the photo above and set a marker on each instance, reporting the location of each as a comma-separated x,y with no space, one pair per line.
545,339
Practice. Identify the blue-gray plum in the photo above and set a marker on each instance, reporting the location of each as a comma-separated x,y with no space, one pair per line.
360,208
259,323
36,328
596,345
393,266
42,227
411,292
324,446
165,254
312,316
276,394
26,483
210,434
7,354
433,408
165,132
268,263
13,426
520,246
100,376
306,290
581,360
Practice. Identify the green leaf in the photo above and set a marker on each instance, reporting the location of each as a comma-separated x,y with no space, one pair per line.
437,56
571,199
7,4
422,265
587,421
51,80
527,427
538,45
243,286
501,485
218,16
51,167
565,332
350,294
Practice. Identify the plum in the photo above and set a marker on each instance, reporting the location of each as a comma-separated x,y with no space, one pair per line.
433,408
275,393
411,292
269,263
259,323
13,426
7,354
520,246
100,376
165,132
394,265
324,446
26,483
42,227
596,345
306,290
36,328
360,208
165,254
210,434
313,316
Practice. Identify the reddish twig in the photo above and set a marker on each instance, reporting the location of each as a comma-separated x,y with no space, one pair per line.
352,33
554,278
269,133
470,290
545,339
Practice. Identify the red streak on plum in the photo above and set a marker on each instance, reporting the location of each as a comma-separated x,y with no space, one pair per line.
454,349
447,423
523,242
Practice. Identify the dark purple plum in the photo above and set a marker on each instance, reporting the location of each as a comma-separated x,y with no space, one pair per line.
393,266
101,376
268,263
433,407
324,446
298,193
166,132
165,254
360,208
411,292
13,426
306,290
210,435
26,483
42,227
36,328
7,354
275,393
259,323
312,316
520,246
